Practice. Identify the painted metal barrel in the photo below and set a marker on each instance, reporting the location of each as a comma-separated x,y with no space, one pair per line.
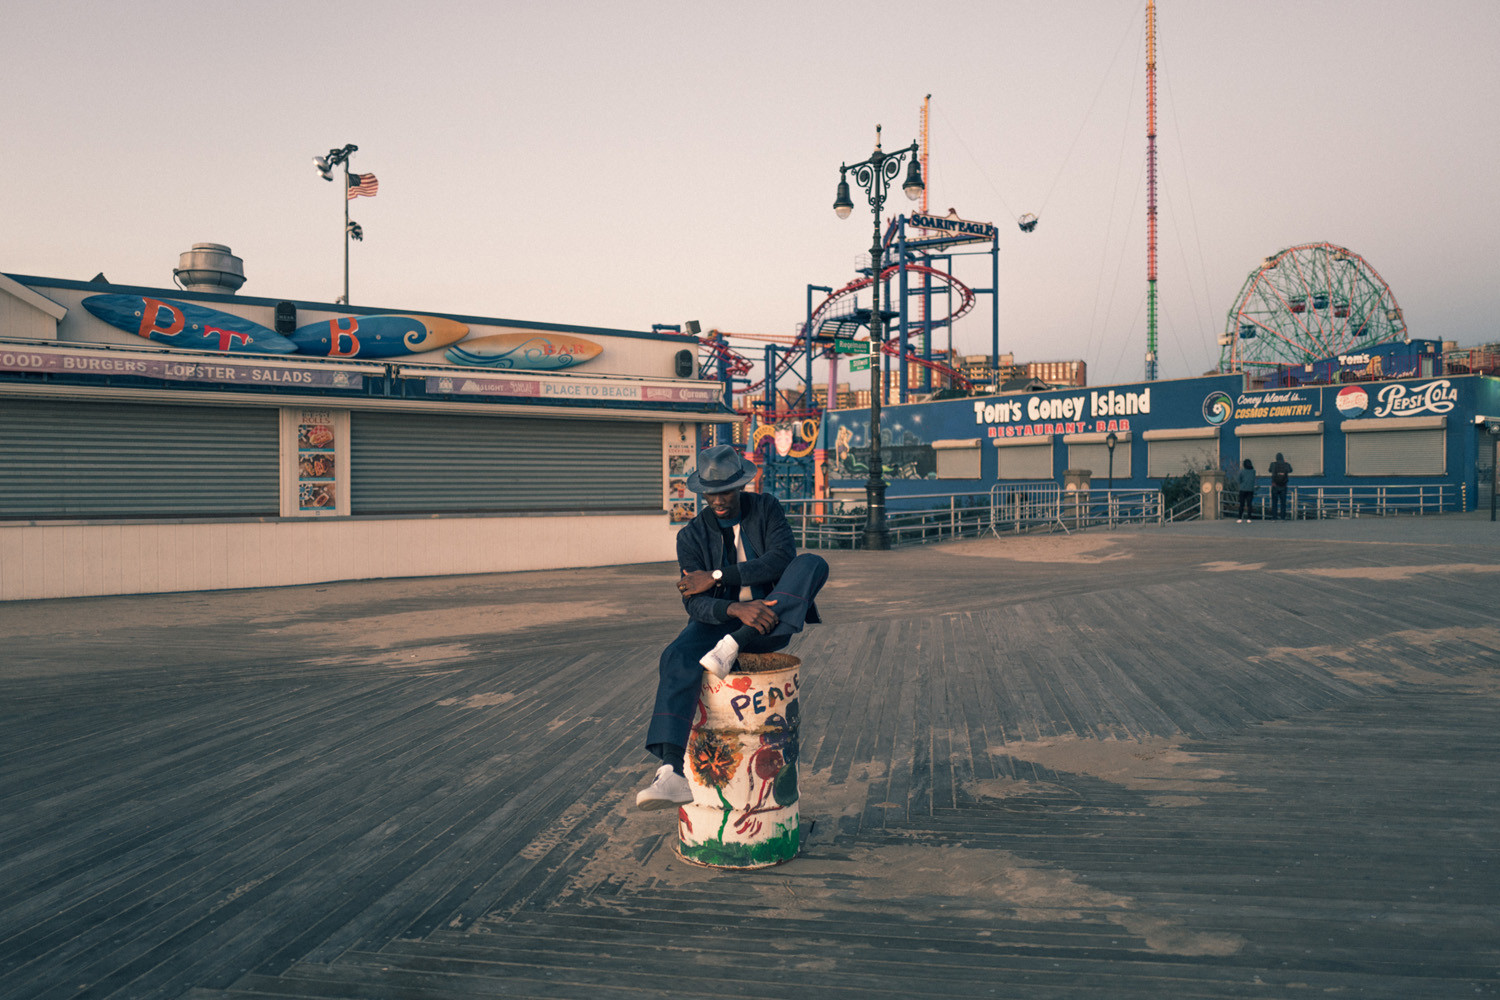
742,765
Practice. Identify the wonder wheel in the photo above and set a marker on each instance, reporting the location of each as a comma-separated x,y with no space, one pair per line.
1305,303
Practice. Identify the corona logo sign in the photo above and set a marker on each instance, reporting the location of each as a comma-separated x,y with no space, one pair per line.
790,438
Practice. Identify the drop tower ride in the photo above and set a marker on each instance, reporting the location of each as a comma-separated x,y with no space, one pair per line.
1150,190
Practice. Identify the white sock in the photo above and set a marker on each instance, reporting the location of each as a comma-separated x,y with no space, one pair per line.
720,660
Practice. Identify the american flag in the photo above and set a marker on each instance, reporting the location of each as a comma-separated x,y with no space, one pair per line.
363,184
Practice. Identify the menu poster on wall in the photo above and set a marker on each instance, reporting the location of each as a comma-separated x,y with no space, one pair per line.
315,446
317,486
681,503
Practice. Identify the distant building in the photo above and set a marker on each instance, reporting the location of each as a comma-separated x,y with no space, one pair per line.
1025,383
1059,372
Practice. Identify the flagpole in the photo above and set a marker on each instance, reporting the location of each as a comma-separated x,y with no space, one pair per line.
346,231
325,164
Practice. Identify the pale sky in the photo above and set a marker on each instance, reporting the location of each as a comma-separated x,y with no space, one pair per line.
619,164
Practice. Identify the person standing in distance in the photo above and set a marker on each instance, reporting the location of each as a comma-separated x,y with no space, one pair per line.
1247,490
744,587
1281,471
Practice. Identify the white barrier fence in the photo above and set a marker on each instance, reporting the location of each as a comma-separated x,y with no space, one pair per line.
839,522
1005,509
1305,503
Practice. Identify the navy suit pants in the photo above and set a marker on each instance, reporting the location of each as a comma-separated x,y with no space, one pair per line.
681,675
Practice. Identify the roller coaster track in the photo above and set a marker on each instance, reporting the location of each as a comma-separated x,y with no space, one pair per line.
966,294
738,364
734,362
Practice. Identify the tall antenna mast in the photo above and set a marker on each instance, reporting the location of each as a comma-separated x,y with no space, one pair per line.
1150,190
926,165
927,278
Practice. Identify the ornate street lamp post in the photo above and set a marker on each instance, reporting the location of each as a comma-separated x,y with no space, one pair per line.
1110,443
875,176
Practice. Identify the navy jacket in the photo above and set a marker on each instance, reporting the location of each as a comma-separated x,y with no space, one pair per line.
765,532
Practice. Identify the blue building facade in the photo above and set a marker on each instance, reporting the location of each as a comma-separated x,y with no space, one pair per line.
1384,433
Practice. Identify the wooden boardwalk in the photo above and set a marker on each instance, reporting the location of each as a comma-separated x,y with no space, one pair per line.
1188,762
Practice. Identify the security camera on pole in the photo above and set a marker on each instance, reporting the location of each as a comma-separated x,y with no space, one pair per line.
355,185
875,175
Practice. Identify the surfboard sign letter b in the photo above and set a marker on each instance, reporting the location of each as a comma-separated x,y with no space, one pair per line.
337,331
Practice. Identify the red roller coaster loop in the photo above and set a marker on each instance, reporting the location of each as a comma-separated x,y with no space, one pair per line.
737,364
966,294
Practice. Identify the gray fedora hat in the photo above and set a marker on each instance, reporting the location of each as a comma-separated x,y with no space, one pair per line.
721,469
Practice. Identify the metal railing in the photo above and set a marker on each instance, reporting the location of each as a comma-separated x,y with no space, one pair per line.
1009,508
1308,503
1187,509
1109,508
839,522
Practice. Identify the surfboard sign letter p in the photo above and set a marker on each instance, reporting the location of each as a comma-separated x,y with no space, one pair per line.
152,312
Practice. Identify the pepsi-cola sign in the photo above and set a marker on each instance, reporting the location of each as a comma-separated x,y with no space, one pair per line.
1400,400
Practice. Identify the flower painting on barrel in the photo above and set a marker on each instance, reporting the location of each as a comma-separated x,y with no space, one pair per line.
714,758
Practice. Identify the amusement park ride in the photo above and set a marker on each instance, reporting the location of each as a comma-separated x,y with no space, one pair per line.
917,258
916,253
919,251
1302,305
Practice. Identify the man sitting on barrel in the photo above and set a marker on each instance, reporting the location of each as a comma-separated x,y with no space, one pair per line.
744,588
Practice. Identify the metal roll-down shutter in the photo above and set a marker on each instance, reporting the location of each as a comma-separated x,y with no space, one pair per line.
74,458
450,463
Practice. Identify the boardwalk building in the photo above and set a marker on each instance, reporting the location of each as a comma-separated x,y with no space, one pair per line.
160,440
1395,433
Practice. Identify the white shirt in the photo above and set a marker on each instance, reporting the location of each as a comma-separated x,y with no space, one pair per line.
739,557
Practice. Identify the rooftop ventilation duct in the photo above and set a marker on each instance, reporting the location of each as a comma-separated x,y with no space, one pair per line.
209,267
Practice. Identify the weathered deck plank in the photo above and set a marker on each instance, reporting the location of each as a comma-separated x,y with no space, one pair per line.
1162,764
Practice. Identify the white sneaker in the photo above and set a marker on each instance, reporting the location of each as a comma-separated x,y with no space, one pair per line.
720,660
668,790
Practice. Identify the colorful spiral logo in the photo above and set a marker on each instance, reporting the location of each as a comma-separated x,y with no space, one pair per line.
1217,407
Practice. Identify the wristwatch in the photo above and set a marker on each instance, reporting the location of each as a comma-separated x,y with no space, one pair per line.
718,574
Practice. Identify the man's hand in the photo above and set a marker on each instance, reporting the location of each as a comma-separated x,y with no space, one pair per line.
757,614
699,581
